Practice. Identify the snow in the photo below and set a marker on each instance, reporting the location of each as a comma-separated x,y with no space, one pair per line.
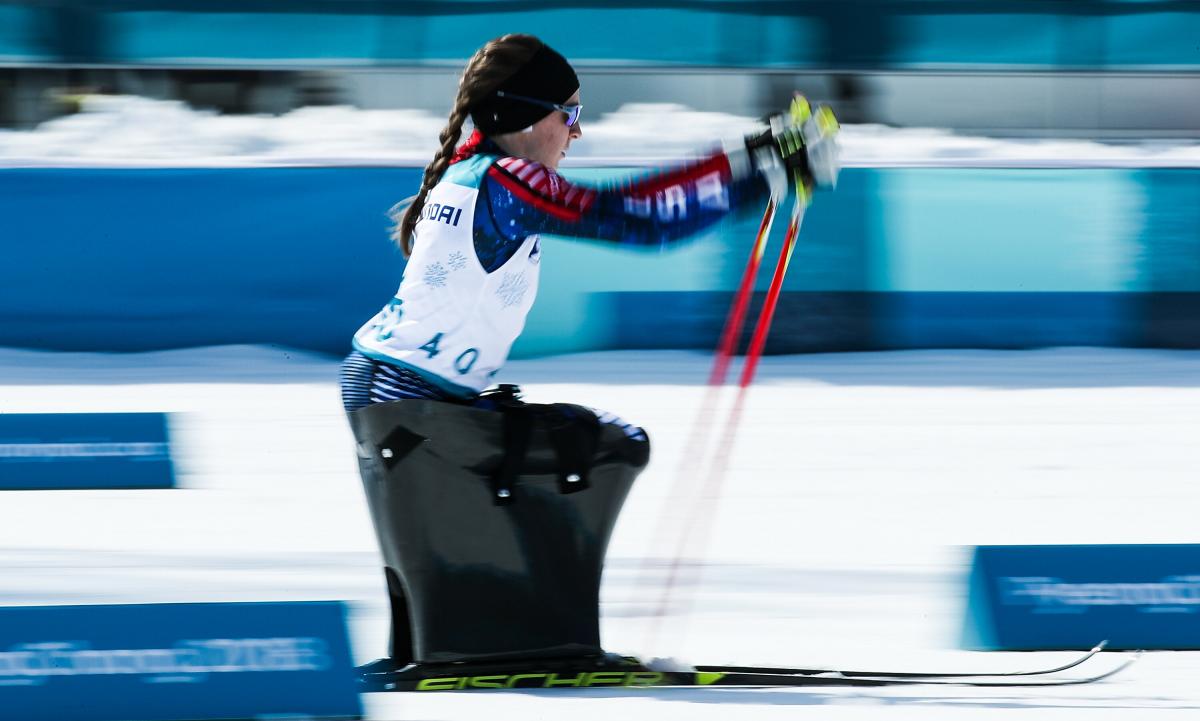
839,534
123,131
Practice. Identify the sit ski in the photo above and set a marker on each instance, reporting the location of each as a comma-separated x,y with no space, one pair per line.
493,524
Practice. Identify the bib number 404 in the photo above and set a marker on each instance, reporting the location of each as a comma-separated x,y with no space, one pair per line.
463,363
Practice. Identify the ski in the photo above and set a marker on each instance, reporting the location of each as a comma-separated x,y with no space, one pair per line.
778,670
624,672
739,679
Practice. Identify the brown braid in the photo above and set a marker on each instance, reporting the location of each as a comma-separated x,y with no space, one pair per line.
491,65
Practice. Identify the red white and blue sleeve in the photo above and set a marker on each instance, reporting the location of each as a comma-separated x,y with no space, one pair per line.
521,197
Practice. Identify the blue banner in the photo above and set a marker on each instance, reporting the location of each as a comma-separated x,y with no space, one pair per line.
40,451
249,258
1073,597
176,661
896,258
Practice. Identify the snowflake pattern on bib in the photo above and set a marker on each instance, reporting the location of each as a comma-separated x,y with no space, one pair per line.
456,261
512,288
435,275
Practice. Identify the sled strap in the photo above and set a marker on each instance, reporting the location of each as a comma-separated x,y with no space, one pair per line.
575,436
518,429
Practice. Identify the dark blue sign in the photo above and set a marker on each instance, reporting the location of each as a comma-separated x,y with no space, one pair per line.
84,450
1073,597
176,661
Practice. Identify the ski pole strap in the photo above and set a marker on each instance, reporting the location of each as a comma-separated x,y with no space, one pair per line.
518,429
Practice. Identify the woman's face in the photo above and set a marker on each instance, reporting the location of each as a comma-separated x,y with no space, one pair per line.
550,138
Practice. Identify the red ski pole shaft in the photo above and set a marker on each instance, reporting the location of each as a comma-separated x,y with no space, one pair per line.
741,300
697,525
759,339
699,522
801,117
702,426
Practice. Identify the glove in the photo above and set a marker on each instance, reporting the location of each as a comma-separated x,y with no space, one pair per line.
800,147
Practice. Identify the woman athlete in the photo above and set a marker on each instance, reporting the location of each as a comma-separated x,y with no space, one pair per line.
493,515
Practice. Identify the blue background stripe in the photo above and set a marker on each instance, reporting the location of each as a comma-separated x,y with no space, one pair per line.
130,260
864,34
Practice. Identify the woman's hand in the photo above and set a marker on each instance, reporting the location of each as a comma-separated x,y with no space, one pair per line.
799,148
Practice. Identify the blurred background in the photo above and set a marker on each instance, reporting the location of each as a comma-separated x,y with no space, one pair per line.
1020,174
1120,69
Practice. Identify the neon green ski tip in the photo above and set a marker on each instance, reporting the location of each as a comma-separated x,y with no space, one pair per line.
708,678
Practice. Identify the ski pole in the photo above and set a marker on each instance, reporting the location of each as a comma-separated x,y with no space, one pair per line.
704,506
801,114
762,327
699,522
741,300
705,420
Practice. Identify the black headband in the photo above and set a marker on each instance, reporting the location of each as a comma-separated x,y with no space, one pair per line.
546,76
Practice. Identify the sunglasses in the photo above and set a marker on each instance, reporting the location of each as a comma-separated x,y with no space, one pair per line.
572,111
